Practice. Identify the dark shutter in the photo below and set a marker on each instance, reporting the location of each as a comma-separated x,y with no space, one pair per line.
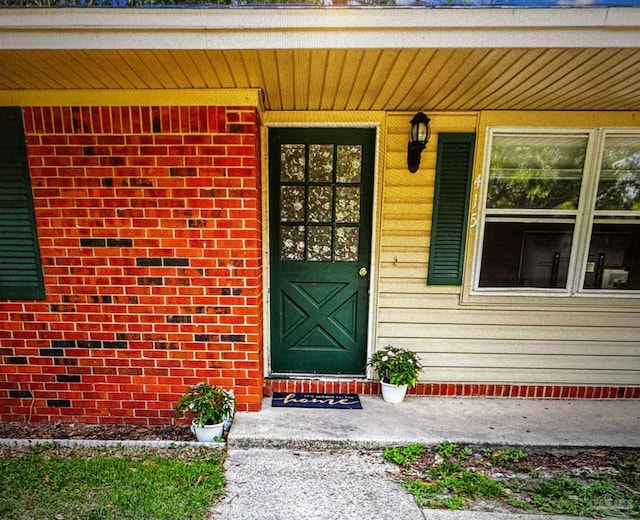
450,208
20,270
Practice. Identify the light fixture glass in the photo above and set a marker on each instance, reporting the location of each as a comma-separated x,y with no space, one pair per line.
418,138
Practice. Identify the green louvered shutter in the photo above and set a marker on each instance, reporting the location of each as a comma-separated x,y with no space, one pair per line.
20,269
450,208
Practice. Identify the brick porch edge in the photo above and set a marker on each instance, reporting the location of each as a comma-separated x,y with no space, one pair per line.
457,389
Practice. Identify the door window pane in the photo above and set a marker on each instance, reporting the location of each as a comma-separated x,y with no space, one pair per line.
292,244
349,163
319,244
614,257
348,204
292,162
292,203
619,184
536,172
346,244
320,163
320,203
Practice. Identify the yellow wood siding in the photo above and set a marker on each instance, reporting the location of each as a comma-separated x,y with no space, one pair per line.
577,342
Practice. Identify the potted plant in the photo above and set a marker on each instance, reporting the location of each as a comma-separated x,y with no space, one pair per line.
398,370
209,407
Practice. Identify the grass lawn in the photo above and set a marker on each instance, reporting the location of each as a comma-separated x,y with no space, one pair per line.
110,483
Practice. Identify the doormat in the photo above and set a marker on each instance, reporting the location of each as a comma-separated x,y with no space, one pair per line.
310,400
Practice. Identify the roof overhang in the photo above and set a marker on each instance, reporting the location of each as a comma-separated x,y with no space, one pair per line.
327,59
309,28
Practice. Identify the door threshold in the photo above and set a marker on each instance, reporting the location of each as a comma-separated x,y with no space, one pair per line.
320,384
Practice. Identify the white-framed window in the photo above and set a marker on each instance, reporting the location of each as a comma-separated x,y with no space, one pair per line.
560,213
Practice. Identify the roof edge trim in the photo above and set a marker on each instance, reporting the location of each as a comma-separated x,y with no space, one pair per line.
103,28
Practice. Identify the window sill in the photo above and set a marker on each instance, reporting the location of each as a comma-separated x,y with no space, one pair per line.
605,300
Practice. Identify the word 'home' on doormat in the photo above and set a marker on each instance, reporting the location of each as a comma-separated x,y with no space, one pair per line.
315,400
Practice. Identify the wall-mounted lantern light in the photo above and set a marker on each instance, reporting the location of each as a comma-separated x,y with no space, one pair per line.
418,139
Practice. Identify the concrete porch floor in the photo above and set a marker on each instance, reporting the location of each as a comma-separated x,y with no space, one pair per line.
429,420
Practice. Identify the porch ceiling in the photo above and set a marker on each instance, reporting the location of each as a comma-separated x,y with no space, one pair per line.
387,79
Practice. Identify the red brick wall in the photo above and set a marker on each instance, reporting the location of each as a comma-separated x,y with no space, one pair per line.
149,223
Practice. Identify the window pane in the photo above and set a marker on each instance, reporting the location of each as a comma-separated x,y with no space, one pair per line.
536,172
526,254
292,162
346,248
292,203
292,243
619,185
614,257
319,244
348,205
320,203
349,163
321,163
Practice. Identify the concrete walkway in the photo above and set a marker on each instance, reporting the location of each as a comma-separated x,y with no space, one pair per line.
298,464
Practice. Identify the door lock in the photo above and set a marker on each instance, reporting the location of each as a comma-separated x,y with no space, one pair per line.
363,272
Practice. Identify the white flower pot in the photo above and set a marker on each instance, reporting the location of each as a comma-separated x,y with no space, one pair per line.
393,393
208,432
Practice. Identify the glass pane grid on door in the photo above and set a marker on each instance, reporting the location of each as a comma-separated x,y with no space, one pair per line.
320,200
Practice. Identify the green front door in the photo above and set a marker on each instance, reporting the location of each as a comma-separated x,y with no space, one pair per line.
321,188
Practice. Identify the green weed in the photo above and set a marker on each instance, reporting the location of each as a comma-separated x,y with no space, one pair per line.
449,485
446,449
508,456
404,456
597,496
449,449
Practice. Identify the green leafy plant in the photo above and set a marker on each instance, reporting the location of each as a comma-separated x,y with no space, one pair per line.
404,456
398,366
509,456
449,485
206,404
446,449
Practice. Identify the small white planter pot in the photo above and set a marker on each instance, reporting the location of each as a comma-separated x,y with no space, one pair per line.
393,393
208,432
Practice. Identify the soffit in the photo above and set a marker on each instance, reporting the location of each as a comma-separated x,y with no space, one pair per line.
386,79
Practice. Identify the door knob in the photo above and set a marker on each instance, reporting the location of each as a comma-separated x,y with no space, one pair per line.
363,272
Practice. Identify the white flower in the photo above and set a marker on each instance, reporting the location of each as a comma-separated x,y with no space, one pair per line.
391,354
191,406
385,358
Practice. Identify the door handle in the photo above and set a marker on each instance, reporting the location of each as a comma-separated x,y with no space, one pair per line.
363,272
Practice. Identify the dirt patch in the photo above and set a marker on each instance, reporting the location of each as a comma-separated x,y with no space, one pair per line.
583,482
76,431
552,461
